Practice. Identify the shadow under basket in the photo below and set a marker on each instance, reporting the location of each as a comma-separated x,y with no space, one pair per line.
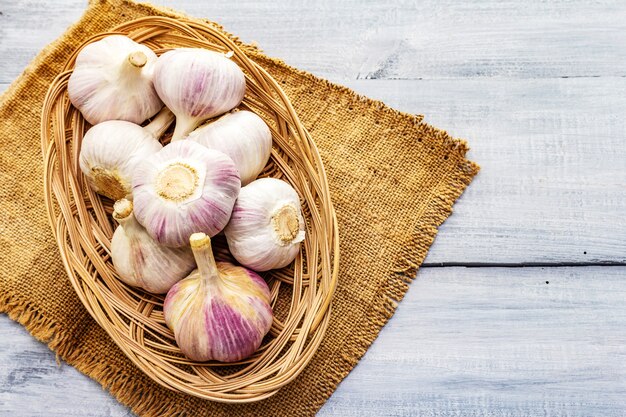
82,225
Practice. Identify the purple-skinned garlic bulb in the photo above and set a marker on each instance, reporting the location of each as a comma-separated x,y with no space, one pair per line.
220,311
142,262
110,151
241,135
182,189
112,80
197,84
267,226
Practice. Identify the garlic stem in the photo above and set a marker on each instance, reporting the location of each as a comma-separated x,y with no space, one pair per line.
137,59
160,123
122,209
203,253
123,214
184,126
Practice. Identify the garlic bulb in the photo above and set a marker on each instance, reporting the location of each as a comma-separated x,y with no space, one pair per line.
110,150
266,226
182,189
197,84
243,136
220,311
112,80
142,262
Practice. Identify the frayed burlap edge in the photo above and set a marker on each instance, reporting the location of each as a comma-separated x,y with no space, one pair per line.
140,396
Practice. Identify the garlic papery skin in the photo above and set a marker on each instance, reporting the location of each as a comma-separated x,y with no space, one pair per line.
142,262
182,189
266,226
197,84
112,80
220,311
110,151
241,135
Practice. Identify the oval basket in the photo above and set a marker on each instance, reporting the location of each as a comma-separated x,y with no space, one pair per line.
82,225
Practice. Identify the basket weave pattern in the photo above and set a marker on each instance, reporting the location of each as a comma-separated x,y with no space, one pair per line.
82,225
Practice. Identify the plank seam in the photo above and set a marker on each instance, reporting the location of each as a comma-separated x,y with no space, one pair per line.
519,264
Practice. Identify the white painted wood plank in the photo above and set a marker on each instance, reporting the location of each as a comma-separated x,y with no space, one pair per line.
553,153
27,26
497,342
484,341
553,150
464,341
393,39
432,38
33,384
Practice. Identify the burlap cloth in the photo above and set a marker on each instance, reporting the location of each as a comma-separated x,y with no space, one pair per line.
393,180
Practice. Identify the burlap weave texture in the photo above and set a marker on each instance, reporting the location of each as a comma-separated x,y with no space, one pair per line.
393,181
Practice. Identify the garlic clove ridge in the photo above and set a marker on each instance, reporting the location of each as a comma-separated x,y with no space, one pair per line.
112,80
197,84
182,189
220,311
110,151
243,136
266,226
142,262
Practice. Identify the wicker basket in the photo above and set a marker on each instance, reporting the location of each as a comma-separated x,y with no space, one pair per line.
82,225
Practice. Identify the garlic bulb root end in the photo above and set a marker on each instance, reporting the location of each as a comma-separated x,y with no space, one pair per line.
286,224
267,225
109,183
177,182
183,189
122,209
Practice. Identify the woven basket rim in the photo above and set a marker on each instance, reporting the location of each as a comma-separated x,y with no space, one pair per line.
82,227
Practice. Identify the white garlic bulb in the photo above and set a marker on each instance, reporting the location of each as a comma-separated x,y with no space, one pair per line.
110,150
197,84
266,226
243,136
182,189
142,262
112,80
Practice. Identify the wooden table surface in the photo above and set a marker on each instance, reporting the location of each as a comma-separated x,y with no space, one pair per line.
520,308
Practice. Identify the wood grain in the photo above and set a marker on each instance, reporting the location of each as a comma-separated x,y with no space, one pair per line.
394,39
552,188
539,90
497,342
553,150
27,26
464,341
432,38
33,384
